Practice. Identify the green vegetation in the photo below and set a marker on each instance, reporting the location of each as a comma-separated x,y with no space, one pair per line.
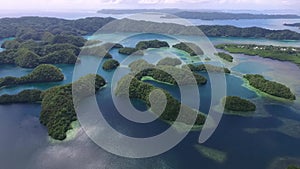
293,167
42,73
142,45
26,58
141,90
251,32
225,56
169,61
57,105
291,54
206,68
190,48
29,53
110,64
160,73
270,87
26,96
234,103
130,51
38,28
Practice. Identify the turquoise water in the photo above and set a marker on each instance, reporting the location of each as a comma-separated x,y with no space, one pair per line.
249,142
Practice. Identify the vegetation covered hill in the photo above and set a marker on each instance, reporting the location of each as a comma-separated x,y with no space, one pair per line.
141,90
57,104
41,74
110,64
225,56
142,45
190,48
291,54
130,51
169,61
206,68
270,87
26,96
234,103
30,53
160,73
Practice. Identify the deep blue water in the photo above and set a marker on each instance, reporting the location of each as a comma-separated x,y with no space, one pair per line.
25,140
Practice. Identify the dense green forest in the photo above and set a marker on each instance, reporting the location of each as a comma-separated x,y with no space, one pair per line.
190,48
59,49
160,73
142,45
291,54
225,56
57,104
41,74
26,96
270,87
37,27
169,61
130,51
110,64
206,68
234,103
141,90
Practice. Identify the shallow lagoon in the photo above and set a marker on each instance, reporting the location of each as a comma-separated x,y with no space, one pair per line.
248,142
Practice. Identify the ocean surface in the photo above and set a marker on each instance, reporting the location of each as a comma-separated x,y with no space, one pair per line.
268,139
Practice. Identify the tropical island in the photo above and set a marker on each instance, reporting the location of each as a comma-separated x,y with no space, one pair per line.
41,74
189,47
141,90
26,96
270,87
160,73
291,54
206,68
59,49
110,64
234,103
142,45
130,51
57,104
225,56
293,24
169,61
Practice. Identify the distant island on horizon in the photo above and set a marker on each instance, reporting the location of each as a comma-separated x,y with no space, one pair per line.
203,14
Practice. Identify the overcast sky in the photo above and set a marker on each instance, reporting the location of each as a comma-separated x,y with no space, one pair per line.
186,4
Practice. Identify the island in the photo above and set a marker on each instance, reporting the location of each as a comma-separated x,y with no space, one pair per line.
141,90
291,54
41,74
25,96
169,61
190,48
293,24
58,111
230,16
159,73
225,56
130,51
30,53
110,64
270,87
142,45
293,167
235,103
206,68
